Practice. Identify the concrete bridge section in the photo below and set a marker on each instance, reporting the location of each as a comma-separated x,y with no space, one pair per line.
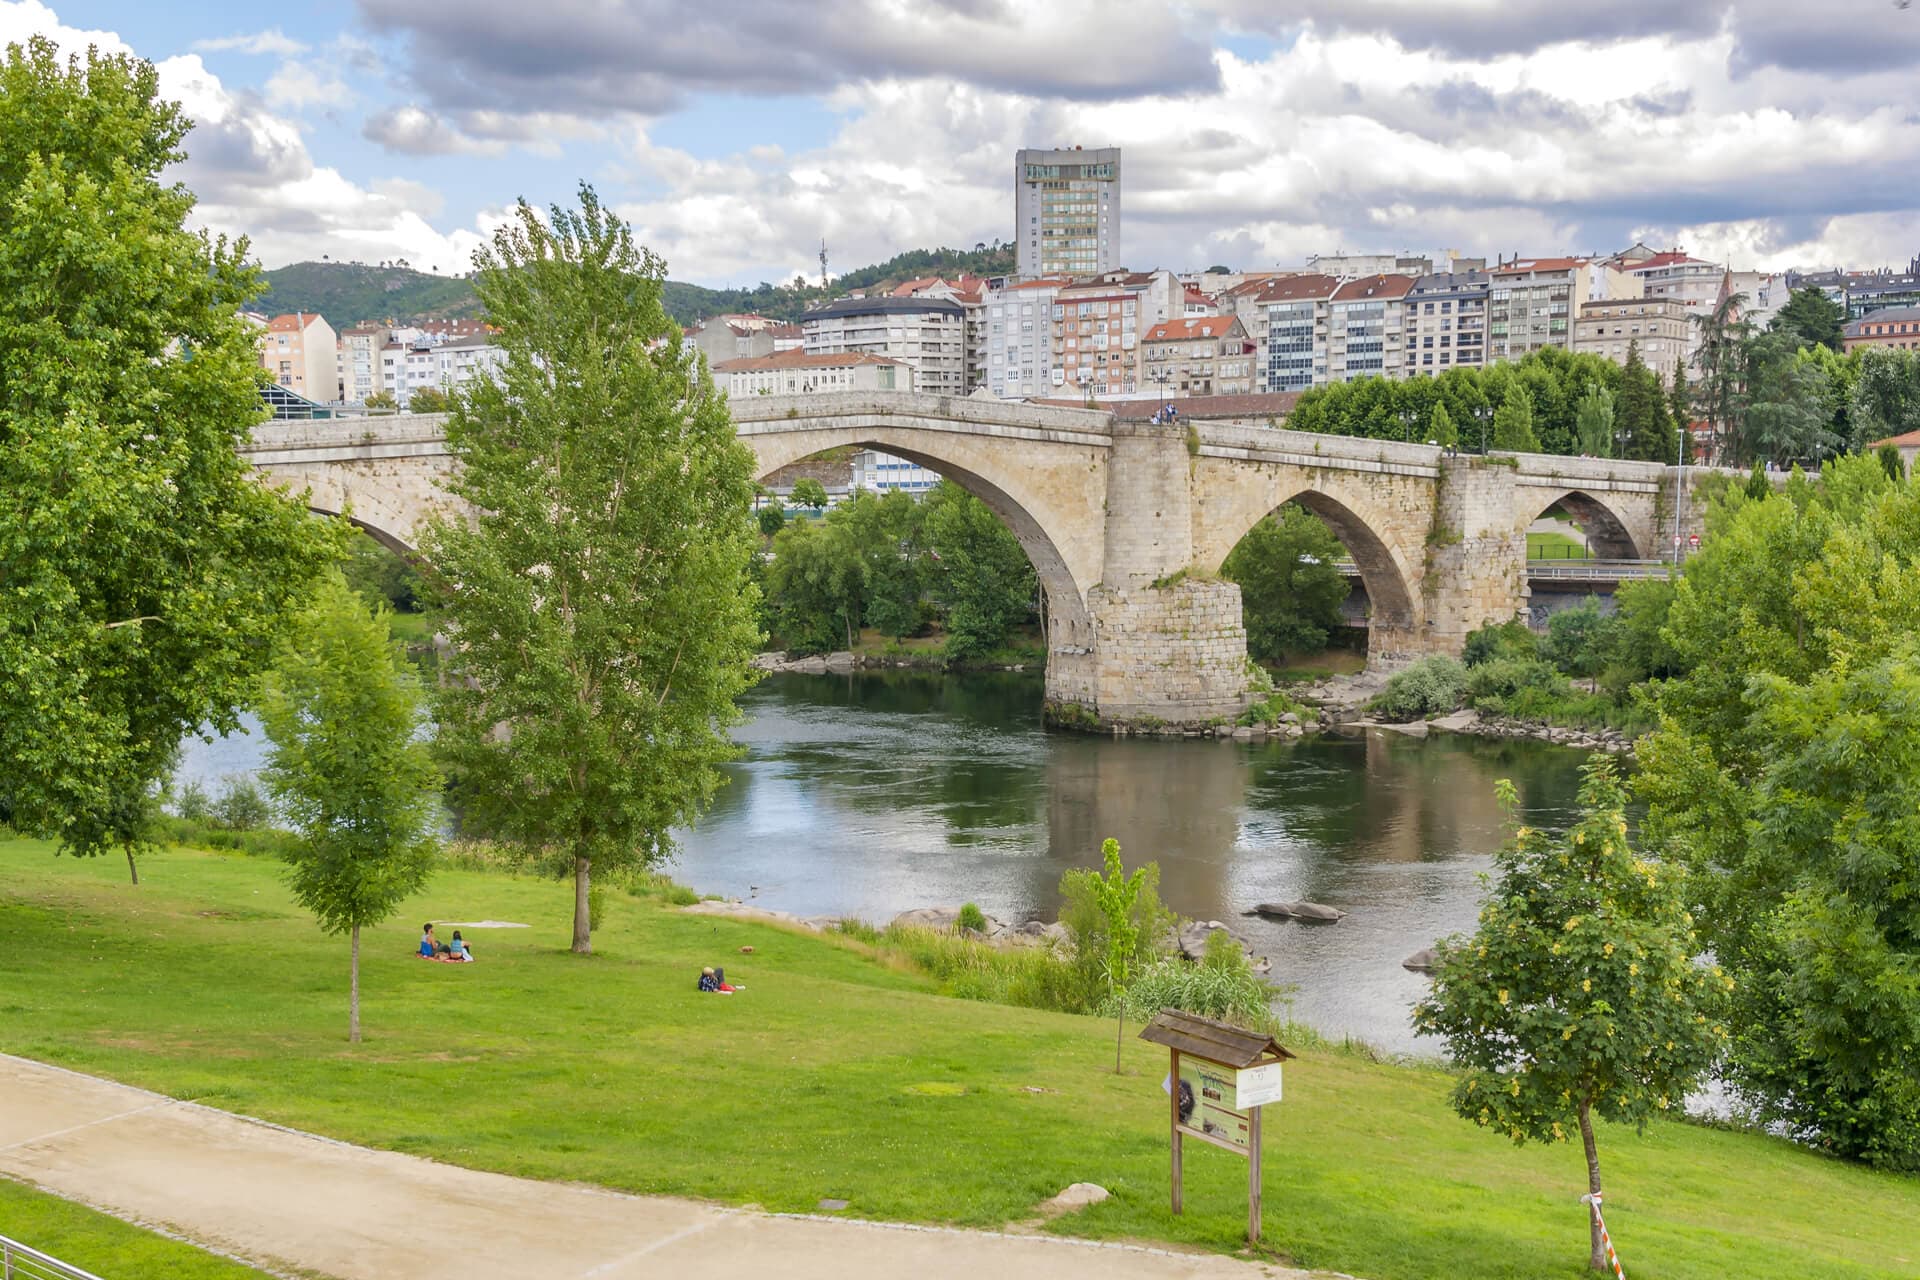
1126,523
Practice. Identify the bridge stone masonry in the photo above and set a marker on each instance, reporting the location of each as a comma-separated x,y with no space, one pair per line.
1126,523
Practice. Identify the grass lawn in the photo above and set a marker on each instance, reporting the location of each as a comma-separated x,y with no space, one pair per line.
1556,546
103,1245
833,1074
1318,666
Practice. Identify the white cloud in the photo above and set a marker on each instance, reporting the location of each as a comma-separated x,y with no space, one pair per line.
296,85
272,41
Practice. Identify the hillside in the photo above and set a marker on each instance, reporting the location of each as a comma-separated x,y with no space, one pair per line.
349,293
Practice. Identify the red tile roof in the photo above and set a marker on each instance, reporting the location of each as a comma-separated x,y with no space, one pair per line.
1911,440
1522,266
1672,257
1193,327
1295,288
800,360
1379,287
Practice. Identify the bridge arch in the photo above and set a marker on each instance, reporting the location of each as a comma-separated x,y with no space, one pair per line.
1052,503
383,512
1606,529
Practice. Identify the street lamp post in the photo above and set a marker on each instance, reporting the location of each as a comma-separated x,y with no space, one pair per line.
1679,488
1161,376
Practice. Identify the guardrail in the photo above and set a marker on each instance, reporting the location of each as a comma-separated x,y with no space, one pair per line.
1598,570
18,1262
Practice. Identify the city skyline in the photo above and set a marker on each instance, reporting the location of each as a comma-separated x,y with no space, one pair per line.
1760,134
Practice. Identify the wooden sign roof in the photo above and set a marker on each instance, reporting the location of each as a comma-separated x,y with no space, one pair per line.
1220,1042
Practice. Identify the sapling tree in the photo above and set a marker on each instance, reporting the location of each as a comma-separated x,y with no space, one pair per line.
598,596
349,770
1117,921
1580,994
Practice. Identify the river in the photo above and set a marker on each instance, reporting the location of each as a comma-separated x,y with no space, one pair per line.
868,794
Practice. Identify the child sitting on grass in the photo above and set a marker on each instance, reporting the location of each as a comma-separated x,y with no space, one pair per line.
710,981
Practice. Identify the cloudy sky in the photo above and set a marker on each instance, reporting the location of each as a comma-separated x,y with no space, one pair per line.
737,134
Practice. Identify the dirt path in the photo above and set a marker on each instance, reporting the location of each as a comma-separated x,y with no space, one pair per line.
292,1201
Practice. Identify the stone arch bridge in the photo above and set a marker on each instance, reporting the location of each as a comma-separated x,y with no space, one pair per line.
1126,523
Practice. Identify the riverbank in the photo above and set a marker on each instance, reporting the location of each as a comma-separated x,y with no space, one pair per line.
834,1075
1342,703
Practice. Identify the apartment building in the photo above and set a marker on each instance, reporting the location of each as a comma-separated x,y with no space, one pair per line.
1095,335
1887,327
1765,293
1066,210
302,353
800,373
462,360
1367,329
928,334
1446,322
1019,342
1533,302
1203,356
1349,266
360,347
733,337
1286,320
1663,328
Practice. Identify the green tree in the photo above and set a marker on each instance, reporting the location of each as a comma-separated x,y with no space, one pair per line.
1891,463
601,610
1679,398
808,492
771,518
350,771
1886,396
1440,429
1785,772
380,574
1513,422
1593,422
382,400
1579,994
816,587
887,533
1291,587
1723,331
143,571
1577,639
1116,921
1812,319
1640,413
429,400
1782,415
985,579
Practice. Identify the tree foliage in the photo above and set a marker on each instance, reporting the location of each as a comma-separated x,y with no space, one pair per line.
809,492
1593,422
1291,587
349,769
985,580
598,593
1578,995
144,575
1786,773
1513,423
1812,319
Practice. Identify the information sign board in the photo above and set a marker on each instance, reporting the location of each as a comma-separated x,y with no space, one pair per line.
1256,1086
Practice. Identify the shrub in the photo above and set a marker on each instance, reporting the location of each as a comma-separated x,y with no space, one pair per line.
1504,677
1577,638
240,806
1223,985
971,918
190,801
1269,709
1431,686
1500,640
969,969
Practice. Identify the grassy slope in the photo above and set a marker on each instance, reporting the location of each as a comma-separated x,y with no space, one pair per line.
103,1245
832,1075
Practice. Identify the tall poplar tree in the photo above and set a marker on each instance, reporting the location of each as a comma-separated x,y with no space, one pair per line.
597,588
1513,422
144,575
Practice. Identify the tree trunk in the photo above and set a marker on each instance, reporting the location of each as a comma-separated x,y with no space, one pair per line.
1598,1258
133,868
1119,1026
353,991
582,909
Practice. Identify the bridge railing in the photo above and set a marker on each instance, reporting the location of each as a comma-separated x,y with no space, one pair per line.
1598,570
19,1262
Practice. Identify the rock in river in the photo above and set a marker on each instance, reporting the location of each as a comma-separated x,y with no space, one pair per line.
1312,912
1423,961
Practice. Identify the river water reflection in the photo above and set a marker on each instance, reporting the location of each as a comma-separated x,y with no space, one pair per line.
865,795
869,794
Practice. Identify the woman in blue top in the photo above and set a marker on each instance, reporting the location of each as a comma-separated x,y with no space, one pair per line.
457,949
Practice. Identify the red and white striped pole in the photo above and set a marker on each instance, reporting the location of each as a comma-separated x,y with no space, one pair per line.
1593,1198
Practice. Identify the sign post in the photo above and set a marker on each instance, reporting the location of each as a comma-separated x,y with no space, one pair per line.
1220,1078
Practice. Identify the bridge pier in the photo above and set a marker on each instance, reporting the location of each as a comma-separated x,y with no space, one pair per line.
1169,646
1476,564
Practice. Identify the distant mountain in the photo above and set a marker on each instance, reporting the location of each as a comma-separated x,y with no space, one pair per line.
349,293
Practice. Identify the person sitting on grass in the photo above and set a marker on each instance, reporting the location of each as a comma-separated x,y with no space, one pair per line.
428,947
710,981
458,950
